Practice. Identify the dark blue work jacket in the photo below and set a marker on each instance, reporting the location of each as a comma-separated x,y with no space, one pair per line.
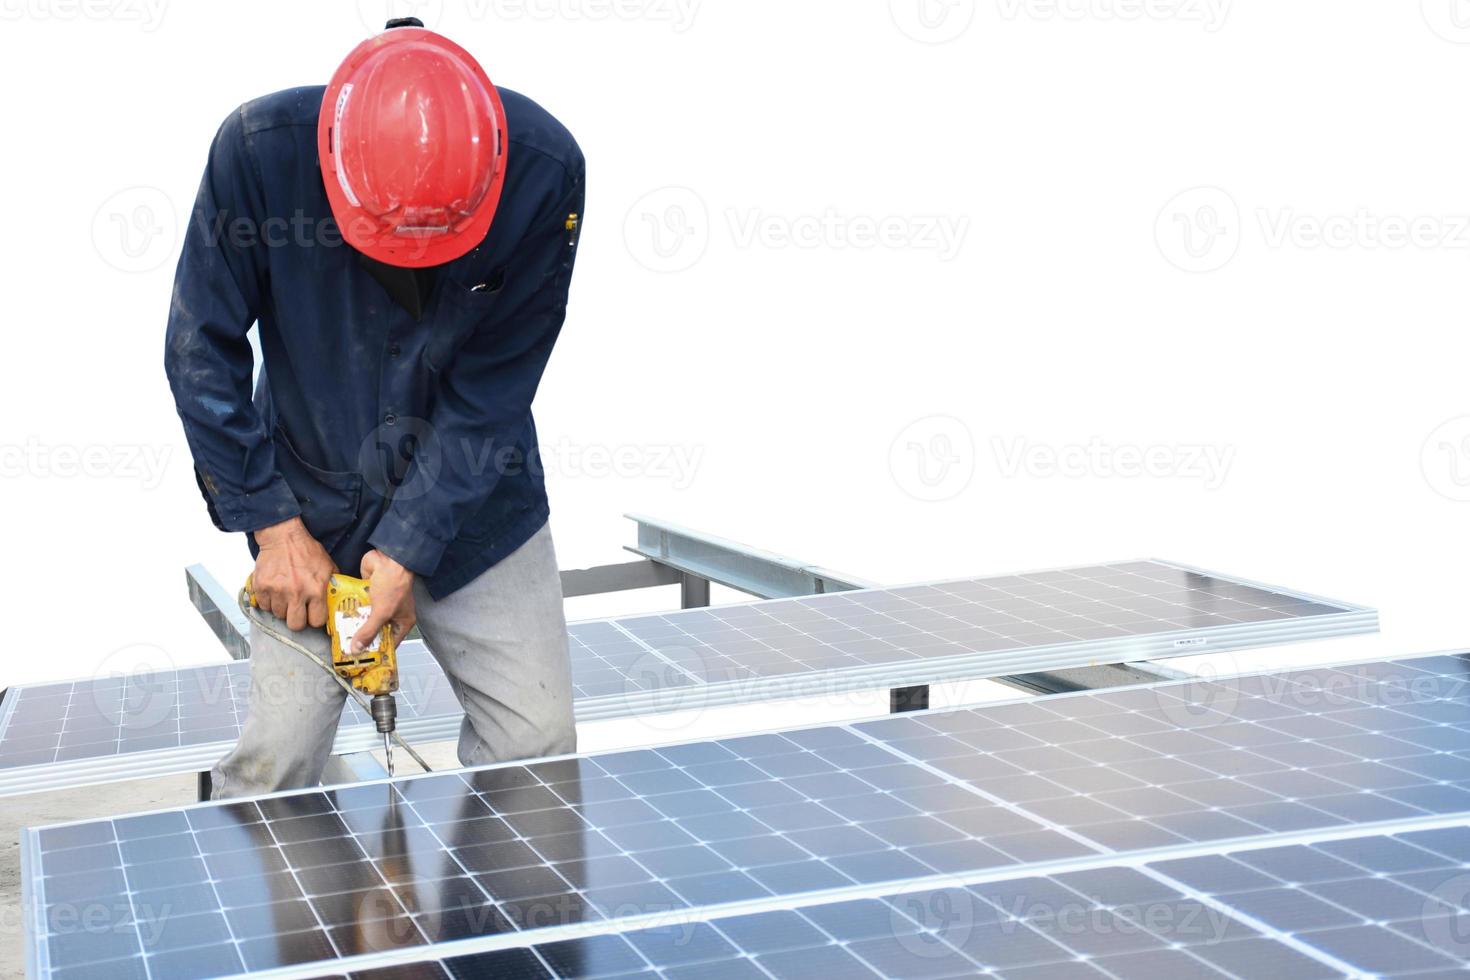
381,429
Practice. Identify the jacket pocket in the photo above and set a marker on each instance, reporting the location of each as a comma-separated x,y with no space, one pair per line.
329,500
464,306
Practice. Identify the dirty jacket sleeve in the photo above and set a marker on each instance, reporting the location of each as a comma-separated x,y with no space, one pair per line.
217,295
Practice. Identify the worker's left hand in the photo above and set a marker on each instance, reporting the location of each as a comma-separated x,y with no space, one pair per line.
390,586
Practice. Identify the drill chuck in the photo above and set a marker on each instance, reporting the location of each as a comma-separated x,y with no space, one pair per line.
385,713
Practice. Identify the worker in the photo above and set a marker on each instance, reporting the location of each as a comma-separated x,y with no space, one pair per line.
404,238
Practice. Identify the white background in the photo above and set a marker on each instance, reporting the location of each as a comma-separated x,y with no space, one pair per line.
1191,229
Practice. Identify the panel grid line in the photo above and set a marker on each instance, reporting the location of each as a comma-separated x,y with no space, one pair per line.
700,914
315,913
988,797
1265,929
651,651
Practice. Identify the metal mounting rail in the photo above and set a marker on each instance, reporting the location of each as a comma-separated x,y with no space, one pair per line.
763,574
220,609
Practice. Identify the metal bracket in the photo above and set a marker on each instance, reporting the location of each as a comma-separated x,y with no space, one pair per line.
904,699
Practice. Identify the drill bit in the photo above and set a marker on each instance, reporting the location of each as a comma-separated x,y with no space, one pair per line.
385,714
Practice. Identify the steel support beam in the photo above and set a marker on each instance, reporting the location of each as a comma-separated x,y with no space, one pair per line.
762,574
693,592
621,577
220,609
1091,678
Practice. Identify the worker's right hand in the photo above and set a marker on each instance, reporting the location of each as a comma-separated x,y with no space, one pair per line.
291,574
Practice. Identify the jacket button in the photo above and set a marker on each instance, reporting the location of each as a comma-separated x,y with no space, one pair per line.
390,419
394,351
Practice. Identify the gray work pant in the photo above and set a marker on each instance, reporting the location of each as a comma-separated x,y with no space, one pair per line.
502,641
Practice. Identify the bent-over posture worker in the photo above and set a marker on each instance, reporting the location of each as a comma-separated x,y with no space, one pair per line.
405,240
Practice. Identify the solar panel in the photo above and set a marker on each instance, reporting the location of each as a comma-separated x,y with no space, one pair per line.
1382,905
517,855
1214,760
518,848
1390,904
881,634
182,721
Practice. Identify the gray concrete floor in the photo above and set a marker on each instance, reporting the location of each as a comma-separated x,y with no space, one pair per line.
59,806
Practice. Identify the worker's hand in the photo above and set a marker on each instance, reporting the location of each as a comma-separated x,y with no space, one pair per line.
390,587
291,575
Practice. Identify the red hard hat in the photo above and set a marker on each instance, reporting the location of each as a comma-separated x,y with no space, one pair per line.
412,145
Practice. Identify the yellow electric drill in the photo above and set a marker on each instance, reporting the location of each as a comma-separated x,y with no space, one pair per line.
374,672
